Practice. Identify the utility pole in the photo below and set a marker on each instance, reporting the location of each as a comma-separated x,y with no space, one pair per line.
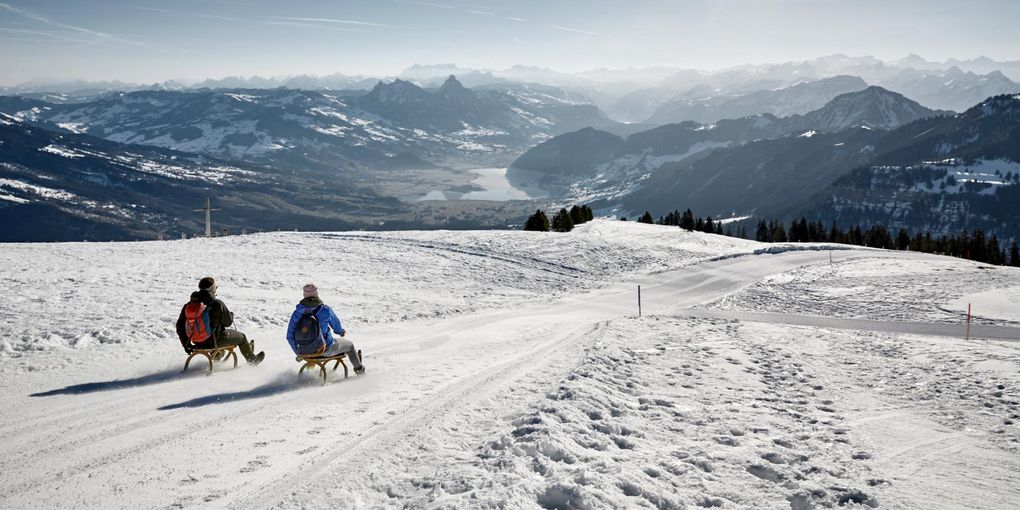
208,217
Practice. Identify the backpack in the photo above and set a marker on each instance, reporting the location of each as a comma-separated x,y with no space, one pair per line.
308,339
196,324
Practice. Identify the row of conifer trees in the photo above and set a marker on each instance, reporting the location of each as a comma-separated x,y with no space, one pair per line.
563,221
972,245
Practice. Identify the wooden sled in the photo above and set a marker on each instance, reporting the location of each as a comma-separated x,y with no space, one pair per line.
217,354
321,362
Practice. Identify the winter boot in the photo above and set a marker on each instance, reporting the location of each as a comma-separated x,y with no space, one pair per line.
255,359
361,368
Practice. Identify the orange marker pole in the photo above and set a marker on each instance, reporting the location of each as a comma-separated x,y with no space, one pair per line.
968,321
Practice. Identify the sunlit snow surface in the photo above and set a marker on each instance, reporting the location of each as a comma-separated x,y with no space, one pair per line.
506,370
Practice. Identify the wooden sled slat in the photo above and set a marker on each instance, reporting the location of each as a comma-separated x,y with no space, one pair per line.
217,354
320,362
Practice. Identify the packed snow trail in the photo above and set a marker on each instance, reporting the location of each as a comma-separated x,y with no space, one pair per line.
977,331
110,427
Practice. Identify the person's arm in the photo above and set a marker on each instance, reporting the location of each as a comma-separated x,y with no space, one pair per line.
334,322
226,317
182,332
294,318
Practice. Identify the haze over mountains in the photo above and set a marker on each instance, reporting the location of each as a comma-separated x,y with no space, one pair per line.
726,143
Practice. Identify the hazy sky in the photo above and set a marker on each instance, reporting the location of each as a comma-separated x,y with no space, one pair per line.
148,41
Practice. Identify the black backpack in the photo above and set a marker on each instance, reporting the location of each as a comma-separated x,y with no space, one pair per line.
308,339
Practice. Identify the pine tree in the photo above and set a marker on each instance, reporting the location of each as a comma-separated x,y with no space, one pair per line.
647,218
1014,254
576,215
562,221
687,221
903,240
709,226
777,233
761,233
836,235
537,222
588,213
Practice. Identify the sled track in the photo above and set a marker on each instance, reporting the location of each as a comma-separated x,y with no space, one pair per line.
337,457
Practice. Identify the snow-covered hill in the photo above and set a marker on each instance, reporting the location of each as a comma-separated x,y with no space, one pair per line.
509,369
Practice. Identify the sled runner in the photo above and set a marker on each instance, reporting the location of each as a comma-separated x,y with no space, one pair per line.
217,354
321,362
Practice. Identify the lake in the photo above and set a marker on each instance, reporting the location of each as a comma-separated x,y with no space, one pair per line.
495,186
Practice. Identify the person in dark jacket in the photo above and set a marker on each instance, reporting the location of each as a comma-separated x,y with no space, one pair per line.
220,318
328,320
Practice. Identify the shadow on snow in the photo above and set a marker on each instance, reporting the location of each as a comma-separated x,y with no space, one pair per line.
266,390
118,384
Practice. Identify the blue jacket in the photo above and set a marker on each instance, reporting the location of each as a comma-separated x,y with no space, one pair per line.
327,320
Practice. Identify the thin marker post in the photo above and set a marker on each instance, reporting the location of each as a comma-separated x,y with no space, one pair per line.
968,321
639,301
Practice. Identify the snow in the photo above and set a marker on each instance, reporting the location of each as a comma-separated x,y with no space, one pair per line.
808,134
986,172
726,221
61,151
41,191
1000,304
12,198
864,288
74,127
246,98
507,369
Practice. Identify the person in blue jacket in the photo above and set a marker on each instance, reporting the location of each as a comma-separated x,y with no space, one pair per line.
328,320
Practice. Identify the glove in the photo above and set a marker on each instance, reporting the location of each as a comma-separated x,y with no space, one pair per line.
189,349
343,332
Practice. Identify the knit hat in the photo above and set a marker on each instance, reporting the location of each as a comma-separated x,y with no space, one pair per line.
206,283
310,290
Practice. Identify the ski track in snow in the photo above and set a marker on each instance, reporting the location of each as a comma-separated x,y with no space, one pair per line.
507,370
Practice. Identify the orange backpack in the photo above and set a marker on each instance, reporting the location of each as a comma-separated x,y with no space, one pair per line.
196,317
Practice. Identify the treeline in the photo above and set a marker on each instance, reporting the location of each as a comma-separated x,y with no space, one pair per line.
972,245
563,221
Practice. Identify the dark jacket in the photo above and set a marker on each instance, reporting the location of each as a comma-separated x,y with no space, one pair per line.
219,319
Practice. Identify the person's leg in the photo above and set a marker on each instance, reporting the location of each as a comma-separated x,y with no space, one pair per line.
233,337
345,346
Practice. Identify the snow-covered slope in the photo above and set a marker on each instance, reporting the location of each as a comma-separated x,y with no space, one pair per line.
505,369
58,186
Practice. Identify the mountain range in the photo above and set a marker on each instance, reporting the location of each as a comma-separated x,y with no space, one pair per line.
633,95
806,138
395,125
845,162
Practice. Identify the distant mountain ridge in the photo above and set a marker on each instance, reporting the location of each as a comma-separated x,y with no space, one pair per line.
872,107
765,166
395,125
795,99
